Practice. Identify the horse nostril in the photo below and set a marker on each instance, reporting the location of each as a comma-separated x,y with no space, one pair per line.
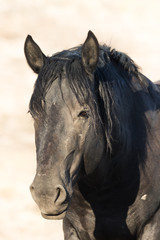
58,190
61,195
31,188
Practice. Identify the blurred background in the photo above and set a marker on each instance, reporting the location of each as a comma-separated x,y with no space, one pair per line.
131,26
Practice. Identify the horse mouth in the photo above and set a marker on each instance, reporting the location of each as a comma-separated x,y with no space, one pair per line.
51,216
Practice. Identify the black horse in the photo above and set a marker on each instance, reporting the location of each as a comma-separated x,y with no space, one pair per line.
97,134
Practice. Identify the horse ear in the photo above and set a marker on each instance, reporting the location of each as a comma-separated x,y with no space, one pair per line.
34,55
90,53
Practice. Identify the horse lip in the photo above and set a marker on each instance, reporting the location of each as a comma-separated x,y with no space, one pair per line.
52,216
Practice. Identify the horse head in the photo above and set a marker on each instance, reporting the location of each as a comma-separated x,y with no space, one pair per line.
66,140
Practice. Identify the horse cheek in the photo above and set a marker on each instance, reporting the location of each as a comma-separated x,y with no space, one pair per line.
93,152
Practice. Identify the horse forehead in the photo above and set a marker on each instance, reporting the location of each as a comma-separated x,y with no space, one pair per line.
54,93
60,93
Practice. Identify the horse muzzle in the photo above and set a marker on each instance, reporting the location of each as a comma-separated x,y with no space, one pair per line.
52,201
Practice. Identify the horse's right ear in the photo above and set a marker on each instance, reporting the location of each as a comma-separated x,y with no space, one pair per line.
90,53
34,55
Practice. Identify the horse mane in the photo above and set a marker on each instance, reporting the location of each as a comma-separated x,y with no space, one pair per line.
110,102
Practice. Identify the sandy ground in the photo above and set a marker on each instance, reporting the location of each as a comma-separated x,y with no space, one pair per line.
129,26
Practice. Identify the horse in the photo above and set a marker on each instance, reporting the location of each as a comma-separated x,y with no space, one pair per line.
97,137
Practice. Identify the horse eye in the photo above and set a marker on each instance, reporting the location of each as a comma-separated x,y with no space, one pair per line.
83,114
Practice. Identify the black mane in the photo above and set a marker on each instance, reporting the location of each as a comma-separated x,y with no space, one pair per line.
112,98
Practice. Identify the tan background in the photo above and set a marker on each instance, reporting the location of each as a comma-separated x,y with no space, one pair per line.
131,26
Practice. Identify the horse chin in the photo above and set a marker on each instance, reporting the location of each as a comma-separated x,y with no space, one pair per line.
54,216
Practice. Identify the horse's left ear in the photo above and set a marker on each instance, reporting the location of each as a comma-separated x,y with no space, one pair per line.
90,53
